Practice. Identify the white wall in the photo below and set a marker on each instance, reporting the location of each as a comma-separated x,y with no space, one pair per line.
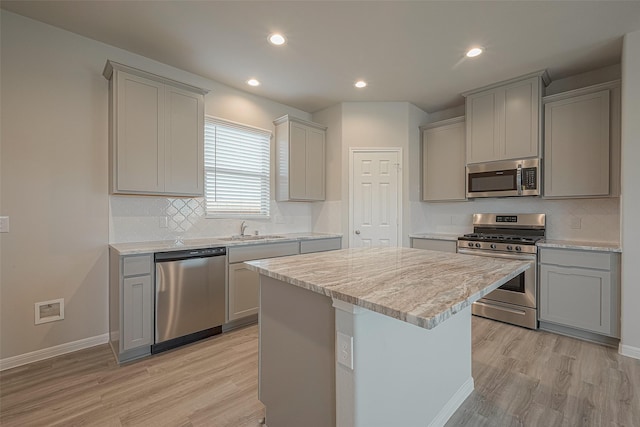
370,124
630,200
54,177
327,215
599,218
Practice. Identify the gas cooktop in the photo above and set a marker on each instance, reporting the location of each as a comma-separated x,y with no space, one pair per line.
501,238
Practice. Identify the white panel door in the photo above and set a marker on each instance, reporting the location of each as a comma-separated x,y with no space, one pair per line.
374,199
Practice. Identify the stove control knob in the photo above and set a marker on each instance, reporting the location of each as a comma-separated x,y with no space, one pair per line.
518,248
478,245
493,246
509,247
470,244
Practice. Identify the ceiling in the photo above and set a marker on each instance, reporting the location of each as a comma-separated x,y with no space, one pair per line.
407,51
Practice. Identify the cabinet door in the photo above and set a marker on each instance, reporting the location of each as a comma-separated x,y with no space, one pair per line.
482,126
520,122
184,142
576,297
137,312
315,160
244,291
139,151
297,161
577,146
443,171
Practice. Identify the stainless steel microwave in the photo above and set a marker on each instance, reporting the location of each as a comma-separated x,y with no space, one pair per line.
506,178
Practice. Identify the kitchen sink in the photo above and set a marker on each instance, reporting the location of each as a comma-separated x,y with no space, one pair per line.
250,237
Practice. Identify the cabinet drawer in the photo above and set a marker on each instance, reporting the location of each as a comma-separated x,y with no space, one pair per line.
136,265
320,245
434,244
270,250
584,259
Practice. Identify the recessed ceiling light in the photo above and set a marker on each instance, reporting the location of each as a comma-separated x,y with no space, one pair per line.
360,84
253,82
277,39
474,52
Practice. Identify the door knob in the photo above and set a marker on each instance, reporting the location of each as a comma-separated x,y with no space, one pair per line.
357,231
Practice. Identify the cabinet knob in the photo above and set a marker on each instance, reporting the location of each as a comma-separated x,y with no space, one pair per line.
357,231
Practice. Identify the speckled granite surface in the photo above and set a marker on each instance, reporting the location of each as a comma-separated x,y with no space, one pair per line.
417,286
585,246
172,245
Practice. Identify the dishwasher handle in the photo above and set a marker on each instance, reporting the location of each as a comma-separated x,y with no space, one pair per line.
187,254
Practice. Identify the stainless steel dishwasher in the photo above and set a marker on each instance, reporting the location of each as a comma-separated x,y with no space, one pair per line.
189,296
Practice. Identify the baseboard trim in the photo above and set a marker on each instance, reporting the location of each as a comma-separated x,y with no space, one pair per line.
453,404
629,351
47,353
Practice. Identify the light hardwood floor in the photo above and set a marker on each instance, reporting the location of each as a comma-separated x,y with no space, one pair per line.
522,378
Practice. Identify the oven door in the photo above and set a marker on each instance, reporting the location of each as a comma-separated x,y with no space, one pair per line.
521,290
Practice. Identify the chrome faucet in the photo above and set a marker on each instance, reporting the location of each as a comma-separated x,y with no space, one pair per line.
243,227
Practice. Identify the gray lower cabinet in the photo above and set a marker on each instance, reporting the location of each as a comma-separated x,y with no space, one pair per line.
580,292
434,244
130,305
243,291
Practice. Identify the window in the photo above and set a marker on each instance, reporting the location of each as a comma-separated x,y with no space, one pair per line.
236,165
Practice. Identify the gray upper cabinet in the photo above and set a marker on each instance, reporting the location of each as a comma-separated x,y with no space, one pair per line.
582,142
300,160
156,134
443,160
503,120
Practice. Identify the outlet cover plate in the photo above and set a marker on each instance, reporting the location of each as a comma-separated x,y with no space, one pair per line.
4,224
344,350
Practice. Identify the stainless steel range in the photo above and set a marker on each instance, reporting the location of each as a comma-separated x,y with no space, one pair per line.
509,236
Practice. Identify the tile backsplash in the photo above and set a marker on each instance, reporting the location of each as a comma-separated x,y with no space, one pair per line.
139,219
595,220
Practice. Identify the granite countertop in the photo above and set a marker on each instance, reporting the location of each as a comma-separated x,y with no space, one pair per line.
171,245
435,236
585,246
417,286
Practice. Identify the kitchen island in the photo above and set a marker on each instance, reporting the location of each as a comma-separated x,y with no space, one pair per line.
370,336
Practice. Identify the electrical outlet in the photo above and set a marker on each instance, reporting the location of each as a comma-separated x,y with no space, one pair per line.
576,222
344,349
4,224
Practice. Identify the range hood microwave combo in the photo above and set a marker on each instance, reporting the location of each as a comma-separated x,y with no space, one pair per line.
508,178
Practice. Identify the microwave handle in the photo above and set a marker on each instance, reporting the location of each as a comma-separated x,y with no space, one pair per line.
519,180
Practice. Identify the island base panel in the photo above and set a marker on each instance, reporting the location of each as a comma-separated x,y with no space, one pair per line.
403,375
296,356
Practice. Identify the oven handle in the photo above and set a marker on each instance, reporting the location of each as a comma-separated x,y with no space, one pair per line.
526,257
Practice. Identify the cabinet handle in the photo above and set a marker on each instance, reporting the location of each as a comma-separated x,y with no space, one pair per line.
357,231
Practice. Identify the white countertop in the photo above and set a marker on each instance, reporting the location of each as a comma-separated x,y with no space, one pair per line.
417,286
171,245
585,246
435,236
547,243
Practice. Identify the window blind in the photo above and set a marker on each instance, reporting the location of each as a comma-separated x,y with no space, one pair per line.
237,164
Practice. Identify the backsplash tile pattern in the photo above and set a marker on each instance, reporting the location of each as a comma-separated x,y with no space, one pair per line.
599,219
139,219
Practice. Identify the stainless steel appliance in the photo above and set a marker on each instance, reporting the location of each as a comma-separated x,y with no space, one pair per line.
189,296
508,236
504,178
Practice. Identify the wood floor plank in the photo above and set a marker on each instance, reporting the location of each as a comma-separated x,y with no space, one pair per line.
522,378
